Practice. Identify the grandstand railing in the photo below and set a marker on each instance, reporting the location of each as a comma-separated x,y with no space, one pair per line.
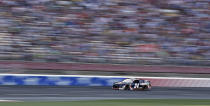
103,67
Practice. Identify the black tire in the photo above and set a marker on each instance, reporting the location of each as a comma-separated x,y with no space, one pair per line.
147,88
127,87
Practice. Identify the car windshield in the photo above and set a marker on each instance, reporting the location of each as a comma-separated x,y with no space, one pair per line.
128,80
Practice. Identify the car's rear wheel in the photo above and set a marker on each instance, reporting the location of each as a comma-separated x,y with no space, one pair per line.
127,87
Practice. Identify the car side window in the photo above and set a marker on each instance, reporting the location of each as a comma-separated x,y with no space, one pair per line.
141,81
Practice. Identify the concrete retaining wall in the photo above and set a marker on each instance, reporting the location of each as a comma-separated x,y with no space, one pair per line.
80,80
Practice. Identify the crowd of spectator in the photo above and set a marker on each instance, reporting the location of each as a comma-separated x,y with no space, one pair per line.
110,31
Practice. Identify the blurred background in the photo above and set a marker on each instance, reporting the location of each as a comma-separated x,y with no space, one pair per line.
141,32
62,41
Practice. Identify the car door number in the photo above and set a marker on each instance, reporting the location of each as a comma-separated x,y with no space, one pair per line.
136,85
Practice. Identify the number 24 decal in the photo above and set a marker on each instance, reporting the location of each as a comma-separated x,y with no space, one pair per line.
136,85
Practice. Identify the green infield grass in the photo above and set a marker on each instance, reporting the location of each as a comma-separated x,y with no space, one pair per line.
127,102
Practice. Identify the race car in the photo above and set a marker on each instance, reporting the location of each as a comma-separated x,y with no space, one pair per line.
132,84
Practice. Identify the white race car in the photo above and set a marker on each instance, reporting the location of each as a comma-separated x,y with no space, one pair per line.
132,84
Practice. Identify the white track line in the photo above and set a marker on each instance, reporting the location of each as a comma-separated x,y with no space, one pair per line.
9,101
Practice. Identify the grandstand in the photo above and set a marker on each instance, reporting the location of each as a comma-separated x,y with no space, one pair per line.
106,31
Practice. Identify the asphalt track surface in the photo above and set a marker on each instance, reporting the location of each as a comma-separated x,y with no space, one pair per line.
67,93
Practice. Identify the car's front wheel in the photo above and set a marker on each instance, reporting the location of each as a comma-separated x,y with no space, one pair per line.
148,87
